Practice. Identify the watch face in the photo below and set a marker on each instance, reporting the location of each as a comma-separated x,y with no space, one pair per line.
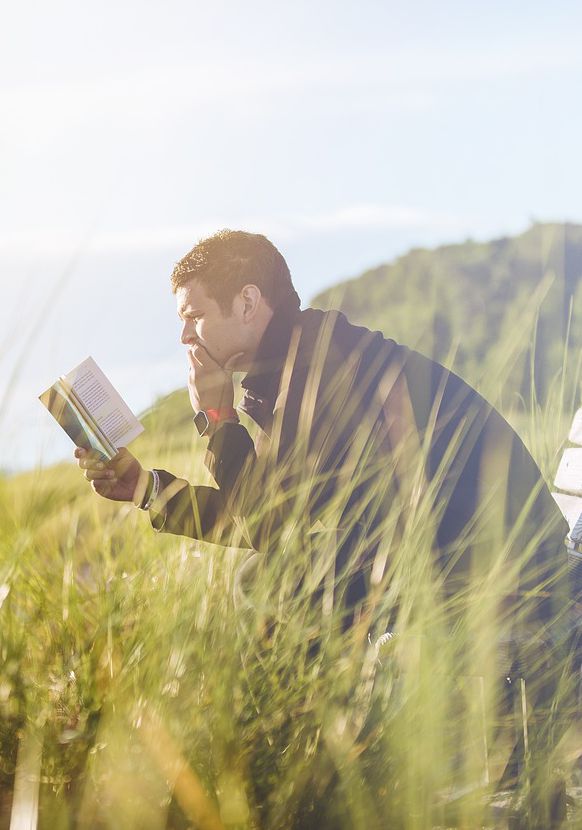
201,421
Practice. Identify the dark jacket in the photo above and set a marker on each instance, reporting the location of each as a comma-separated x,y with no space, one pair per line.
367,440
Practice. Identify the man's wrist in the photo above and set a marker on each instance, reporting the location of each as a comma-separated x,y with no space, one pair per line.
151,491
222,414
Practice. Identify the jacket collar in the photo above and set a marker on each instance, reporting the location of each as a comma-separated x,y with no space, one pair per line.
261,383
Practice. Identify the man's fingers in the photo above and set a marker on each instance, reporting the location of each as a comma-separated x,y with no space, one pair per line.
98,475
81,452
198,356
193,358
89,458
103,488
92,464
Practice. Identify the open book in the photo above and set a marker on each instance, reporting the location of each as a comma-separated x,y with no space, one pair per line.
91,411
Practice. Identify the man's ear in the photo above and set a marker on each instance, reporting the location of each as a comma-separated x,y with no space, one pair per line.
249,298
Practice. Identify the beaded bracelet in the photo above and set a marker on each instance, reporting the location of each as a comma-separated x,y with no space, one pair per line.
154,492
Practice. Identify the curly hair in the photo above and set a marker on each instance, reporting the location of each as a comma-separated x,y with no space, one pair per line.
227,261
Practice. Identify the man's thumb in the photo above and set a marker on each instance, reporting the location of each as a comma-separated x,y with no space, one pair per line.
122,453
122,461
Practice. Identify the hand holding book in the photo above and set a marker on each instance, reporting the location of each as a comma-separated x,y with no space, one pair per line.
120,479
99,422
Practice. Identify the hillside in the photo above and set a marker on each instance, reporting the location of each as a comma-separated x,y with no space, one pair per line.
459,303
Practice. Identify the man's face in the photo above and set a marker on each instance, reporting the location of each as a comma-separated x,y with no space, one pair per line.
205,324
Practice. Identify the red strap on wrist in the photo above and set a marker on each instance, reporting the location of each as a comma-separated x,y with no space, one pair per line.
217,415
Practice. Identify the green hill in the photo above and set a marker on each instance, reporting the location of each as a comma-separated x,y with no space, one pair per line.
461,303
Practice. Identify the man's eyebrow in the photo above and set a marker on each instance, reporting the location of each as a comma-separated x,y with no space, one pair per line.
190,312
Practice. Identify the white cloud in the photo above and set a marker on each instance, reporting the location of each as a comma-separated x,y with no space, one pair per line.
46,110
377,217
58,243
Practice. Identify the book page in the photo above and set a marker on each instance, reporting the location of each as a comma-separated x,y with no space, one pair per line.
103,403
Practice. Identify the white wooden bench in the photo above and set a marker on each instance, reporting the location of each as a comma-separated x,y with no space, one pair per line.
568,496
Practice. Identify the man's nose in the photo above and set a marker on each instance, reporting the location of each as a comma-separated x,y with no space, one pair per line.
188,336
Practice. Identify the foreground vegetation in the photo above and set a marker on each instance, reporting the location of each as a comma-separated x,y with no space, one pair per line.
158,702
151,693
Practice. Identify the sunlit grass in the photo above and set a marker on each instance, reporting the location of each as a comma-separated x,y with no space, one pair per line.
161,702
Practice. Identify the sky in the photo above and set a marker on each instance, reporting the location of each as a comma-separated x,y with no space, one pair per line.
347,132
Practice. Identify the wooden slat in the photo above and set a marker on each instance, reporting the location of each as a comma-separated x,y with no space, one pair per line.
571,507
569,475
575,435
26,782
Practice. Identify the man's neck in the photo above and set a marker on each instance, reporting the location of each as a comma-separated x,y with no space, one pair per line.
264,317
264,373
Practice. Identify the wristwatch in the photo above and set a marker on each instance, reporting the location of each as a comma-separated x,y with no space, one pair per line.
208,418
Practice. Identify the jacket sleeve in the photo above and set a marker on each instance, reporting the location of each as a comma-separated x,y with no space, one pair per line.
231,459
230,455
202,512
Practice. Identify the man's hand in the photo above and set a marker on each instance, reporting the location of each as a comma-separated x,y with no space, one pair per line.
121,479
209,384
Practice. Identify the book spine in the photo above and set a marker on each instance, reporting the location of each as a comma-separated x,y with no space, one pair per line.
67,391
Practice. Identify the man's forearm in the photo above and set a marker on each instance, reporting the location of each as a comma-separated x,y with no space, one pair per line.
231,459
198,512
252,490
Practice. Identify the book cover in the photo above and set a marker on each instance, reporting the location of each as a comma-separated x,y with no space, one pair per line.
89,409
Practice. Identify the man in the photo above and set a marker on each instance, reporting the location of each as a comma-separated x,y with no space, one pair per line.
358,438
377,478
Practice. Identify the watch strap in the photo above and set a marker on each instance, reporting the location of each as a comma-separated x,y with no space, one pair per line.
206,418
225,414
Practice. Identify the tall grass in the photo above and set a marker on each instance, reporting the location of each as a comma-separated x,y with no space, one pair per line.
164,695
